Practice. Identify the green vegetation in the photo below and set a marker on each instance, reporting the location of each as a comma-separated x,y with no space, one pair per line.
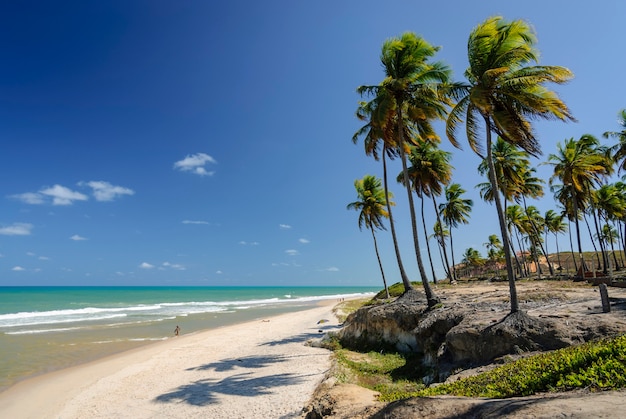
391,374
598,365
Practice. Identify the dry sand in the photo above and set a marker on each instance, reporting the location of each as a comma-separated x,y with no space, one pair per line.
259,369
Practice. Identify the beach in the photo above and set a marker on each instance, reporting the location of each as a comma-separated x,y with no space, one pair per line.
260,368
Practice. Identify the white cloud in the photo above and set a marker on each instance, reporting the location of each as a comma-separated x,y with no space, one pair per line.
146,265
331,269
284,226
16,229
304,241
195,163
292,252
77,238
44,258
63,196
218,272
195,222
104,191
245,243
29,198
173,266
17,269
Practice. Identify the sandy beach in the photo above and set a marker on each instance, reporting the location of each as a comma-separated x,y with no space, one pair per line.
258,369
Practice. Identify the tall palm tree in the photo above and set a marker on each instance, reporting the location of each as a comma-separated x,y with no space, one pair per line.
494,250
579,165
509,162
619,150
429,171
371,202
379,133
609,204
506,94
413,91
554,224
455,211
472,259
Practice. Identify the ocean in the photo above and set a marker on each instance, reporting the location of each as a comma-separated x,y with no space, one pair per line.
44,329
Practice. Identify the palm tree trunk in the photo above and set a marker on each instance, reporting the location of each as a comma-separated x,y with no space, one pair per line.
536,231
453,277
571,245
430,257
431,298
443,240
405,279
580,248
380,264
593,242
558,255
502,221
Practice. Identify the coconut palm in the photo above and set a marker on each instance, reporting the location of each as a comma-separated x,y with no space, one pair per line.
494,250
412,94
506,94
455,211
579,165
619,150
378,134
515,222
472,259
609,204
371,203
429,171
509,162
554,224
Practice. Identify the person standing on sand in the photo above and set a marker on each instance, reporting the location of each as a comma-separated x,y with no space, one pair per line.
176,331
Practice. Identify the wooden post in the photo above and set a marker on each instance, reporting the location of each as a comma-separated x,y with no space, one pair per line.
604,295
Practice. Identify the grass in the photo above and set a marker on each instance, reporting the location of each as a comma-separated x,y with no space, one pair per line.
598,365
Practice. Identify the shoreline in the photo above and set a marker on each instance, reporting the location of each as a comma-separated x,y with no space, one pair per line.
261,365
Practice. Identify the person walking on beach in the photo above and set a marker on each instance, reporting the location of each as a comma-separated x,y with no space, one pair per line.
176,331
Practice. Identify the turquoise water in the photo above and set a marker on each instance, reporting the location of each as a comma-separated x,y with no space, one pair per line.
44,329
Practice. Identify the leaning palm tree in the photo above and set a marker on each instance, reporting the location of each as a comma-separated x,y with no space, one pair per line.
429,171
506,94
379,133
371,203
411,94
455,211
619,150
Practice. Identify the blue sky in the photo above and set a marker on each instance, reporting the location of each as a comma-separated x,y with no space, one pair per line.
209,143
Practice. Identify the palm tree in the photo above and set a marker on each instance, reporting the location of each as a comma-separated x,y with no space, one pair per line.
377,133
533,222
429,171
578,164
554,224
506,93
472,259
619,149
455,211
494,250
509,162
371,203
610,205
515,220
412,90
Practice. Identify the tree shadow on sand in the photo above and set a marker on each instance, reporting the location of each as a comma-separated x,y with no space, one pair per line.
243,362
204,392
302,337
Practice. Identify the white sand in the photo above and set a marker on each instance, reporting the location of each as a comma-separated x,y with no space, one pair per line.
259,369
